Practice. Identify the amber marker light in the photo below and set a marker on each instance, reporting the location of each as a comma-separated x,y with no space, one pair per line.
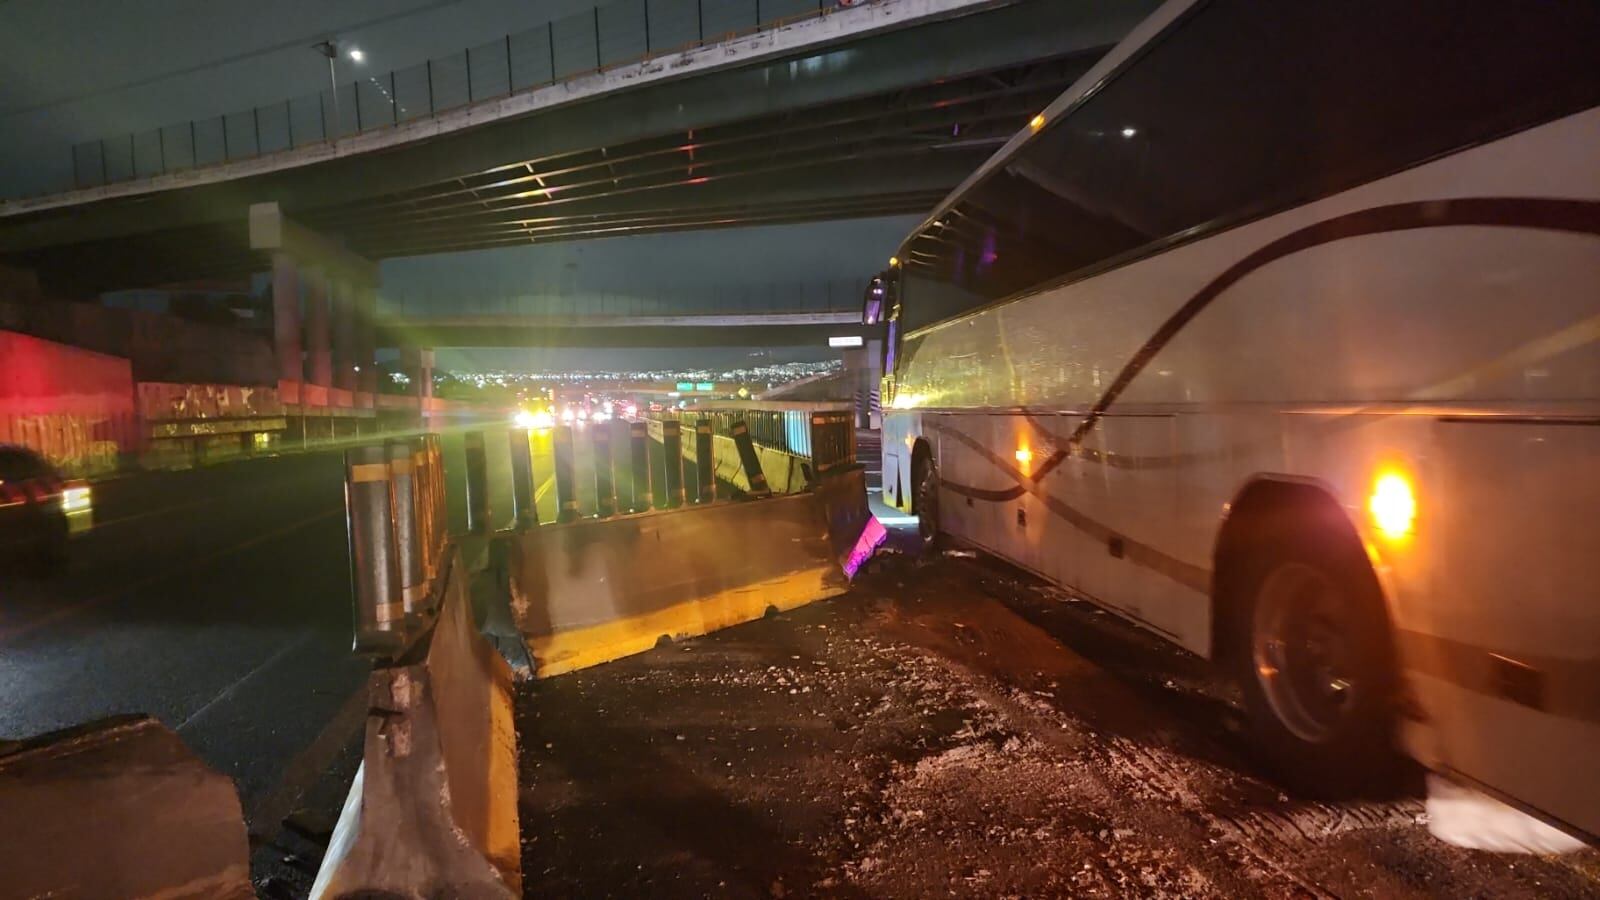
1393,505
1037,122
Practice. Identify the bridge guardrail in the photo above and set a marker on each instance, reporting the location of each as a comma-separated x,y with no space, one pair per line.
824,434
615,34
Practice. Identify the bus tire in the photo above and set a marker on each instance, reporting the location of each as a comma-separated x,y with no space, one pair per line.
925,497
1316,664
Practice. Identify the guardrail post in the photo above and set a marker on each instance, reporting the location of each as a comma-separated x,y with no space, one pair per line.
749,460
566,482
522,504
422,476
408,540
639,440
477,485
374,566
833,439
672,463
441,497
705,462
604,476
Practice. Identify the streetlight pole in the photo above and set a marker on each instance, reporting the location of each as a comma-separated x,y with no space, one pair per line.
330,49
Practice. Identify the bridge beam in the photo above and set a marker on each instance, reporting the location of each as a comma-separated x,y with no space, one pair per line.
613,336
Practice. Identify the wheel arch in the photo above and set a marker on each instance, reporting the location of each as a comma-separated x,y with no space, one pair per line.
1263,505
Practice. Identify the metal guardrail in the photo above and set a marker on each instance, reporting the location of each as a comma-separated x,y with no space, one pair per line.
615,34
822,434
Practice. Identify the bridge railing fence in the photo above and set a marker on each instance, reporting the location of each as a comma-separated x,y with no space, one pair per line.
618,33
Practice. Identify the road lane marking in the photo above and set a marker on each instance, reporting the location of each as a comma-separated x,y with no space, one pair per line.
122,520
228,691
180,507
188,568
266,815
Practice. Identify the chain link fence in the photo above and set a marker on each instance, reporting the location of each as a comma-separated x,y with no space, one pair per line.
606,36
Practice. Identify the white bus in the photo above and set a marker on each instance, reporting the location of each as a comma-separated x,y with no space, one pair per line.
1278,334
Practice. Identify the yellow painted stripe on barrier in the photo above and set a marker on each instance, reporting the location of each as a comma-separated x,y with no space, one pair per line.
364,472
580,648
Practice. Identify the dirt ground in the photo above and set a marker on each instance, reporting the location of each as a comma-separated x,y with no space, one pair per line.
947,729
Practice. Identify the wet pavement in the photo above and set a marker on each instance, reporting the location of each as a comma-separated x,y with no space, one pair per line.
953,728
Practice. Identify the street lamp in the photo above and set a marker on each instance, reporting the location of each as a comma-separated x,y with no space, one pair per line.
330,49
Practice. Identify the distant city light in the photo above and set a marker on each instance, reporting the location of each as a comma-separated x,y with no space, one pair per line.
1129,132
356,55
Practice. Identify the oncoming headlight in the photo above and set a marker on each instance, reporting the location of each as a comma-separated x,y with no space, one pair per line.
76,498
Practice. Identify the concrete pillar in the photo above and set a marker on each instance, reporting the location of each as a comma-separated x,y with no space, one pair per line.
874,414
418,366
366,339
864,368
344,333
286,316
319,359
425,375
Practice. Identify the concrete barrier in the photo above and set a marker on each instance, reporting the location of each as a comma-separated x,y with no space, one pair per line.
591,591
433,810
118,808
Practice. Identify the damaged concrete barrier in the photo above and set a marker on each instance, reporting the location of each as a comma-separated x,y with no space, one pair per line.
433,810
600,589
118,808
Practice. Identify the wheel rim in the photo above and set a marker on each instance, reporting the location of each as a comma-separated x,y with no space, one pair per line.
1303,654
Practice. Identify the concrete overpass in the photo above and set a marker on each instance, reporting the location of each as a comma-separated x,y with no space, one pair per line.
768,329
872,110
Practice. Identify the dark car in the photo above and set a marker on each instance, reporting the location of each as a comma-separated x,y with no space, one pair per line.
39,510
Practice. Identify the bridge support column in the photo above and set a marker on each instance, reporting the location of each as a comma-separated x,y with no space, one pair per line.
418,366
325,267
864,366
319,359
365,302
345,360
286,317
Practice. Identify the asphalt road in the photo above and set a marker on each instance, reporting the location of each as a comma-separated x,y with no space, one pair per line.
217,600
948,728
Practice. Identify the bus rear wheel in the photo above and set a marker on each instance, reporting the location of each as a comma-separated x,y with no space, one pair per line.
1316,666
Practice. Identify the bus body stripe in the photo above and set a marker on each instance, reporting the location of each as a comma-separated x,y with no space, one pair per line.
1580,216
1197,578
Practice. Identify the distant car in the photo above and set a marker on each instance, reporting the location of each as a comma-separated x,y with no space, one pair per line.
39,510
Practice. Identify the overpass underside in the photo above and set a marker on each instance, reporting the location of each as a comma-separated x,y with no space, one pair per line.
884,124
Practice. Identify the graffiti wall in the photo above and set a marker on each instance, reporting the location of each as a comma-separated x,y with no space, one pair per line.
74,406
166,402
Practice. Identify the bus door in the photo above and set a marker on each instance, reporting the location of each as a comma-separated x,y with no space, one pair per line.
1509,671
